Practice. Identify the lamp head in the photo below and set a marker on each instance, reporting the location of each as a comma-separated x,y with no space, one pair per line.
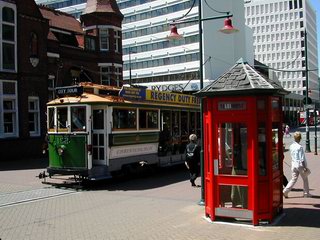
228,28
174,35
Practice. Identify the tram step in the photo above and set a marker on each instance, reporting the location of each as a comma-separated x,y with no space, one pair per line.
99,173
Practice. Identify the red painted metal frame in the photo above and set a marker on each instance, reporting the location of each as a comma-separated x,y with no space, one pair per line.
264,192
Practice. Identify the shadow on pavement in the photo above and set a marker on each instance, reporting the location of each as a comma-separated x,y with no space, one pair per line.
151,178
39,163
300,217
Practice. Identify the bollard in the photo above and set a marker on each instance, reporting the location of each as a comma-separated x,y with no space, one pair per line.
315,132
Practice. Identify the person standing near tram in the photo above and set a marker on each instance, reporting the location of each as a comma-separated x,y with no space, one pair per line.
193,159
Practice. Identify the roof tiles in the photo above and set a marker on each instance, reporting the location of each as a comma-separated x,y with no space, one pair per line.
242,79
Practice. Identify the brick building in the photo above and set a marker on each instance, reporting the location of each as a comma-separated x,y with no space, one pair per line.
42,49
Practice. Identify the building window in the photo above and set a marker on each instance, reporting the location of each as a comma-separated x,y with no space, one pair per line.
90,43
8,36
109,73
8,109
118,75
34,116
117,40
106,75
51,87
104,39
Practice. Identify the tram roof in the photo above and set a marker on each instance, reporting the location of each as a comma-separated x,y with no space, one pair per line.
89,98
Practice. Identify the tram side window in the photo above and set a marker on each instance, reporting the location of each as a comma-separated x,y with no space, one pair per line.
51,127
78,119
148,119
184,126
62,116
124,118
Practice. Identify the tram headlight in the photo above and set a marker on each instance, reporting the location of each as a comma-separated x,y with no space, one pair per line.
89,149
61,150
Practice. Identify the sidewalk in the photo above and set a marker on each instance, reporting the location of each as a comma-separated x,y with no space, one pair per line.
160,207
303,211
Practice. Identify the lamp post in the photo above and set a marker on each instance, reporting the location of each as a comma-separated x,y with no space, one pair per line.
227,29
315,132
307,93
130,77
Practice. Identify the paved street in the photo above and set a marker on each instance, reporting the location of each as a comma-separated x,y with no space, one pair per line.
160,205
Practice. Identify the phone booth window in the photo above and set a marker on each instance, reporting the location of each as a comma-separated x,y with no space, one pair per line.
233,196
275,146
262,149
232,148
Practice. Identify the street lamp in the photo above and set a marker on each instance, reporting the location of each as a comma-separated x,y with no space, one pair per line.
130,76
227,29
307,93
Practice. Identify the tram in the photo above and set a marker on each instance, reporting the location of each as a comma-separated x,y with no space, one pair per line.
95,131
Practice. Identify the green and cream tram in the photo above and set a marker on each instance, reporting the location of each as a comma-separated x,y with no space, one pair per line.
96,130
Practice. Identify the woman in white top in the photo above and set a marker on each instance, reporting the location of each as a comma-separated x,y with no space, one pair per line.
298,166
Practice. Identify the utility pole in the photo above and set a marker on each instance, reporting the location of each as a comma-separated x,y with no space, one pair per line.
307,93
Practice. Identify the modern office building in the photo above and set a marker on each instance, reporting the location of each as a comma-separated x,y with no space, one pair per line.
279,28
150,57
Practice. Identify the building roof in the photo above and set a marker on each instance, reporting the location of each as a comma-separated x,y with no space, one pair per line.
61,20
106,6
242,79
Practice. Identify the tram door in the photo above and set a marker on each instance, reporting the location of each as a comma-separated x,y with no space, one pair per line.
99,136
231,168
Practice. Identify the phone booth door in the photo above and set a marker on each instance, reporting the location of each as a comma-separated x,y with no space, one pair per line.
233,165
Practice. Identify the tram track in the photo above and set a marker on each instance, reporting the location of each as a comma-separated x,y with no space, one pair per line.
15,198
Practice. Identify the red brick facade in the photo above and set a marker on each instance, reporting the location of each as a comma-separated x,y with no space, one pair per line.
50,45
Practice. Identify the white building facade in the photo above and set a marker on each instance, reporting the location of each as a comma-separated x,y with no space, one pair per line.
279,28
151,57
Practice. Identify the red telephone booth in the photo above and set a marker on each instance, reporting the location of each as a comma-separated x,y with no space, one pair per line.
243,148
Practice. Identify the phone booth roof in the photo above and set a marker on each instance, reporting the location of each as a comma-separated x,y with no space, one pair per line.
242,79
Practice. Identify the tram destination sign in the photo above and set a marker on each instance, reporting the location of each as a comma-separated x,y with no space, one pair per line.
69,91
133,93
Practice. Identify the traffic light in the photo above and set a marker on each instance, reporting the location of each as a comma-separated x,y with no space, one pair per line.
307,101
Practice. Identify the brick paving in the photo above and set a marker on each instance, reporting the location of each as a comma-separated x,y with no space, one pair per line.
161,206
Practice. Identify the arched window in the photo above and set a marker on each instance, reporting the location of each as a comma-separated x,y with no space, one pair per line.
33,45
8,15
8,41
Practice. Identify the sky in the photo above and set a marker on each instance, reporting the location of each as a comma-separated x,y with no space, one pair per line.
316,5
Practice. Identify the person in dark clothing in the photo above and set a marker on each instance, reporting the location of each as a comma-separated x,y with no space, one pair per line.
193,159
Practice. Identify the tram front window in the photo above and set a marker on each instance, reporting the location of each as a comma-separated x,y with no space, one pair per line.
51,126
62,116
78,119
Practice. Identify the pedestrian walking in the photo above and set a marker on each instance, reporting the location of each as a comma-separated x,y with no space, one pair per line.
193,159
287,131
298,167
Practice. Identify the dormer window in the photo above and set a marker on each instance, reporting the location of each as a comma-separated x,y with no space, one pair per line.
104,39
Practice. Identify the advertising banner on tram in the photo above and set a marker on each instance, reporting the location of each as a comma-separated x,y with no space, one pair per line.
141,94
